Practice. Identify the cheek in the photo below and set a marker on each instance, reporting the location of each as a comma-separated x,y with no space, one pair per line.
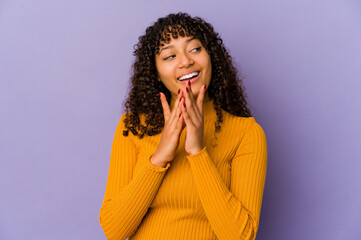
161,71
206,61
208,65
165,70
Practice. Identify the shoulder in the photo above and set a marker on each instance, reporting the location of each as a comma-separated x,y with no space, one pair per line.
121,123
236,122
242,125
120,130
121,126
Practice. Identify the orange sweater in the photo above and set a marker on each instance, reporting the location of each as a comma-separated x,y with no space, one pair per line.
214,194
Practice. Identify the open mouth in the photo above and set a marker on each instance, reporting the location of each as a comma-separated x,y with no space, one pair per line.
189,76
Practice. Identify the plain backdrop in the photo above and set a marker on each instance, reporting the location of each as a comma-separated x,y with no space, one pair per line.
64,72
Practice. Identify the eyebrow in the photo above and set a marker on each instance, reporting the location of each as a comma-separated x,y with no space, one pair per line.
172,46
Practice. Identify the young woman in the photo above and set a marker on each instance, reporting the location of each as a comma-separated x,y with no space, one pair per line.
194,163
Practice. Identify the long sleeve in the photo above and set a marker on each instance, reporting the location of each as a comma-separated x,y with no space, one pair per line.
127,197
234,213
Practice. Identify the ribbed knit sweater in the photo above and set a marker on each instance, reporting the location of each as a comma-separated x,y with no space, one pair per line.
214,194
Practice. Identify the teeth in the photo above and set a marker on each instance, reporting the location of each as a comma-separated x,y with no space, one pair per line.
188,76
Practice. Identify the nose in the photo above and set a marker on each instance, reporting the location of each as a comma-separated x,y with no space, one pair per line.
185,61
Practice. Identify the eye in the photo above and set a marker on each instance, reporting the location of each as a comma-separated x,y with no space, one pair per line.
169,57
196,49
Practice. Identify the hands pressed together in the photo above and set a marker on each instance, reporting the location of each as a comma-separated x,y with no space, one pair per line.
187,111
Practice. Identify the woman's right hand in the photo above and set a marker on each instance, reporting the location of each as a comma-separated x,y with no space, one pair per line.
173,126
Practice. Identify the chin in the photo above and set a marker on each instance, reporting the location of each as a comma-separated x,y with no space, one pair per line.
195,92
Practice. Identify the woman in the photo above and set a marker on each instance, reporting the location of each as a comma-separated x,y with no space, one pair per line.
194,164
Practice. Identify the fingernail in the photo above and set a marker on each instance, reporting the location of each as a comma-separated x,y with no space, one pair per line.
187,89
205,86
180,114
189,83
180,99
160,95
184,105
178,91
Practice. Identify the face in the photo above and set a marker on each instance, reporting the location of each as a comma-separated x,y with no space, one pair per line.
182,60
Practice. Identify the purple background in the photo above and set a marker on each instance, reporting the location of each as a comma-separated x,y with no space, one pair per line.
64,70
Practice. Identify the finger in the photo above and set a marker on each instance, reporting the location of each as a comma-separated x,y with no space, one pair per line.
181,124
181,118
200,98
191,96
165,106
196,110
187,119
177,121
189,105
175,106
191,108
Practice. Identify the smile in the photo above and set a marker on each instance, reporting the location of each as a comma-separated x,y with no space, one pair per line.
188,76
191,77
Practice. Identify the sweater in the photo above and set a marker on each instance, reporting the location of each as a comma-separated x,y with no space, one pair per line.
214,194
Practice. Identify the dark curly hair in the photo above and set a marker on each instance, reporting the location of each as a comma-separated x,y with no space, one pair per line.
225,88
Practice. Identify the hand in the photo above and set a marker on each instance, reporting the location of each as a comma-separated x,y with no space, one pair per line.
193,117
173,126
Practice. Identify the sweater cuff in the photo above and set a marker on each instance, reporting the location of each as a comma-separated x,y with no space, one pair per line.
157,169
201,154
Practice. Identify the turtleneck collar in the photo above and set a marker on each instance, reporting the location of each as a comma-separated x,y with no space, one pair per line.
208,107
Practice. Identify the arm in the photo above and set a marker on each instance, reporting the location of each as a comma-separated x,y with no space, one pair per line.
127,197
234,213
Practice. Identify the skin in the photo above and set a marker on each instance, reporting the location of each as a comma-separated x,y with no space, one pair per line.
176,58
180,56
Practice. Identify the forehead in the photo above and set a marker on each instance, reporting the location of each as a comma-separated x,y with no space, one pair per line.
181,40
174,43
170,33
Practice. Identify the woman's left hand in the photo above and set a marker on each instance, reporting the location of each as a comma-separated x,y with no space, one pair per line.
193,117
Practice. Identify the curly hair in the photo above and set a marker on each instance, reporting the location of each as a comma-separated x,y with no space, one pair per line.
225,88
